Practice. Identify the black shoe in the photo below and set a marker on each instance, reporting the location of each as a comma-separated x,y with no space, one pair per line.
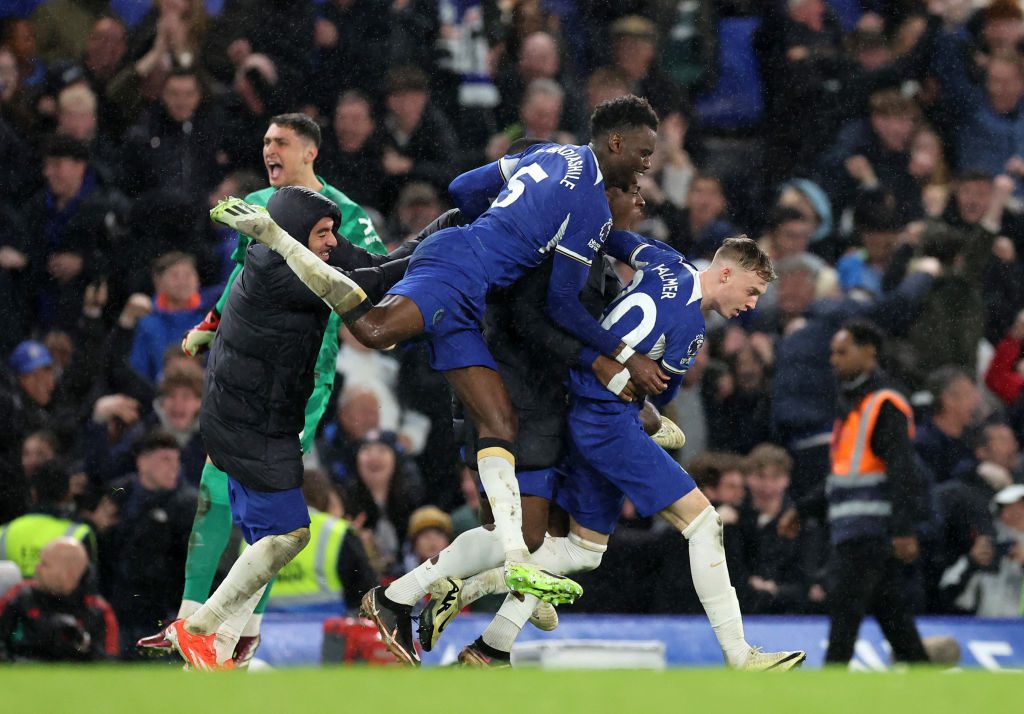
394,622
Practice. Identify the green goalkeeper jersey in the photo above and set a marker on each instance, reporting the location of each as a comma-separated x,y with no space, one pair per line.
357,227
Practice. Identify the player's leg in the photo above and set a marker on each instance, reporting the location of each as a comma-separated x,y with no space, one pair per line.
445,590
276,524
698,521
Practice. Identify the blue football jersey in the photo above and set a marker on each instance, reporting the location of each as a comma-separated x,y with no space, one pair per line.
658,314
550,197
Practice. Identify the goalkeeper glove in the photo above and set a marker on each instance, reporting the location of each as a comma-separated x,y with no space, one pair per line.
198,339
669,436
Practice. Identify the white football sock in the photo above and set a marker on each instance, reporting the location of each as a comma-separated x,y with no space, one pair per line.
573,554
489,582
231,629
497,468
509,622
187,608
472,552
711,581
252,571
252,627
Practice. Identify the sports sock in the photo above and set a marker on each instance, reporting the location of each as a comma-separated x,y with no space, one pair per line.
251,572
211,531
492,652
255,622
261,606
473,551
231,629
572,554
509,622
711,581
187,607
497,468
489,582
558,555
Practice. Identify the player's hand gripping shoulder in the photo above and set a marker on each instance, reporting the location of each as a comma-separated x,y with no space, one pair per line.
198,339
614,377
643,371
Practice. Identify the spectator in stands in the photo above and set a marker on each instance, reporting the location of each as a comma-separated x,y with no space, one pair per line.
255,97
874,155
58,616
698,229
351,33
51,515
539,57
738,403
941,440
988,120
873,268
357,415
147,547
798,46
988,581
77,117
993,236
418,205
70,221
380,498
27,401
352,154
176,411
38,448
1005,374
418,141
962,504
174,145
430,531
776,580
540,116
19,37
788,233
634,54
929,166
62,26
176,309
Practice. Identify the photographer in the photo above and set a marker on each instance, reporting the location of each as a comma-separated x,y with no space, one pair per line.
56,617
988,581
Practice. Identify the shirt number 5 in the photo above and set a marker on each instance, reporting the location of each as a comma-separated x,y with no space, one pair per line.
516,186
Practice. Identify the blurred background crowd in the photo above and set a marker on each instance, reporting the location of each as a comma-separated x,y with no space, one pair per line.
875,147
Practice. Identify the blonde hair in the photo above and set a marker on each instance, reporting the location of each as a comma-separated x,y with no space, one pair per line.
748,255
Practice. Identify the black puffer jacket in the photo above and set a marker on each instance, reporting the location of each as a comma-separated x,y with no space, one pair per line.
260,371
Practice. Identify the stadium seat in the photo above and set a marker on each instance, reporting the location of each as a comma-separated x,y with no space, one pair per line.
736,102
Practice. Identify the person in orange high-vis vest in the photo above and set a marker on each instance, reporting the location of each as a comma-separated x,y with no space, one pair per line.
869,500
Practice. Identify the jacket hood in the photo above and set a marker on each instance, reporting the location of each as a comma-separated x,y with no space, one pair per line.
297,209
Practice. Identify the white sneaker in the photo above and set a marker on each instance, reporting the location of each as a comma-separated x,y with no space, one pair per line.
544,617
759,661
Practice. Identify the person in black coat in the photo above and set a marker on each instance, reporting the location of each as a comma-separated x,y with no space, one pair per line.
259,376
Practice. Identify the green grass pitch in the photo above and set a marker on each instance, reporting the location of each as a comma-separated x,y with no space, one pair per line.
153,690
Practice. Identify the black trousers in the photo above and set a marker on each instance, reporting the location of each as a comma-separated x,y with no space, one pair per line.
867,581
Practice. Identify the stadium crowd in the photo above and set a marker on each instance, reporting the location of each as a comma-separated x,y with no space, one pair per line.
875,148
